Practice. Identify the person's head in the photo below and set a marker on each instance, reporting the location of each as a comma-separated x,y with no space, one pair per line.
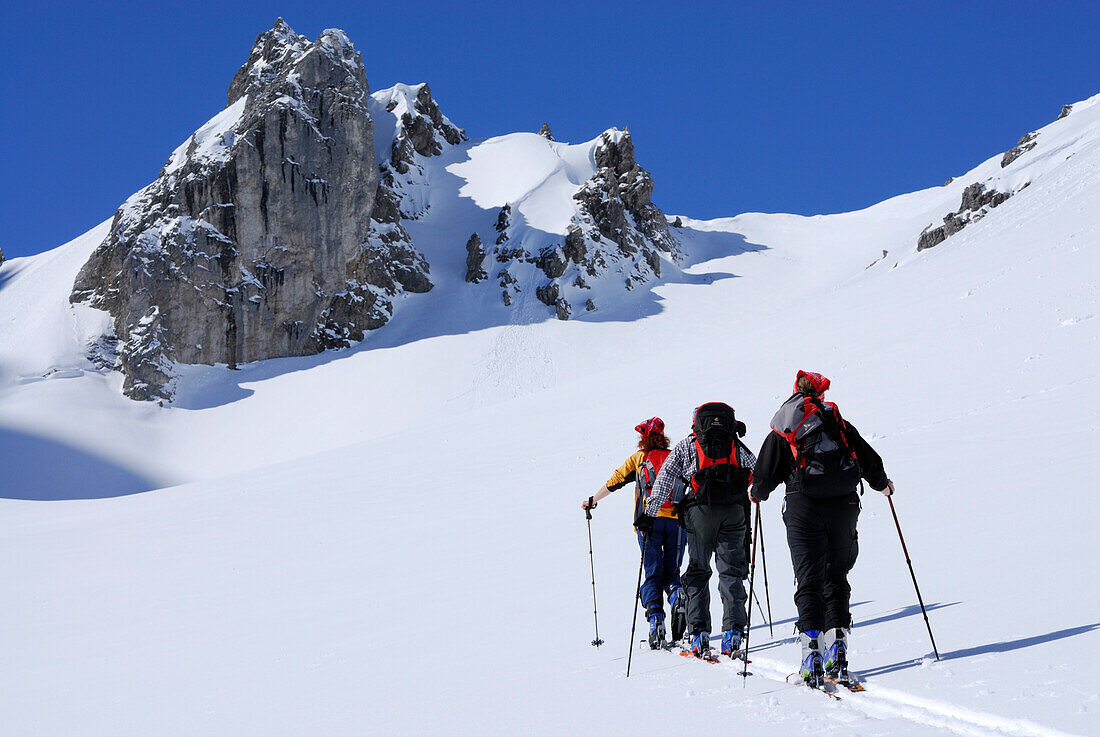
653,436
810,384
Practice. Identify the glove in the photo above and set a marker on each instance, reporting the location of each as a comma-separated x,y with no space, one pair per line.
644,523
739,428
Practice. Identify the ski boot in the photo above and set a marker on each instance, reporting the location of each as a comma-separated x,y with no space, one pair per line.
836,655
677,600
700,644
656,631
731,643
812,669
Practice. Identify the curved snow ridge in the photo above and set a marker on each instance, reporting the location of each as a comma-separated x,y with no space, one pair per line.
877,701
537,177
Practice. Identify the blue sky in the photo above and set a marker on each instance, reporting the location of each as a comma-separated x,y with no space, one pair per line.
735,107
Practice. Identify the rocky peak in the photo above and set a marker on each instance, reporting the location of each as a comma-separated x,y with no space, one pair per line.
619,188
544,131
256,240
416,125
272,51
617,233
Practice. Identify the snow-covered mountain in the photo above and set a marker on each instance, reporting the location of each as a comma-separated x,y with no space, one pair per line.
282,226
386,539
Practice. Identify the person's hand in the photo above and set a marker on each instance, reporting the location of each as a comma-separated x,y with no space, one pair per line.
644,523
588,504
889,490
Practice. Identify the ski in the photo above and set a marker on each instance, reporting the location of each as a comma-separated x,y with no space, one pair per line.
849,684
713,657
801,682
709,656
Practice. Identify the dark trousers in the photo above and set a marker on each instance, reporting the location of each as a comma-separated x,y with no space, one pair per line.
719,531
662,554
824,544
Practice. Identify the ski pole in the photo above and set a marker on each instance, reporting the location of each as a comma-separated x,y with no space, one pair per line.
752,576
637,598
914,575
592,565
764,562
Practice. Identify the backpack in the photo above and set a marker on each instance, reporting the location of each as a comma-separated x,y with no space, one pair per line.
646,475
719,477
825,466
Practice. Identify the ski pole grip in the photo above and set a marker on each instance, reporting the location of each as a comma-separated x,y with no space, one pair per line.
588,509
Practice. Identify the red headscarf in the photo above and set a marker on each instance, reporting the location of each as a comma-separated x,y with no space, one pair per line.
652,425
819,382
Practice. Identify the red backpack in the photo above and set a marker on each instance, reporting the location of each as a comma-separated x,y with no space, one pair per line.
646,476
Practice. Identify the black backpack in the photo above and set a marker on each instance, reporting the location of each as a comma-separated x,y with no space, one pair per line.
719,477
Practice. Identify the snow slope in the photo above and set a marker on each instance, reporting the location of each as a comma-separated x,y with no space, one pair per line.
388,540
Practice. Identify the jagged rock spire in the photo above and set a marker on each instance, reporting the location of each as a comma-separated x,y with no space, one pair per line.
255,241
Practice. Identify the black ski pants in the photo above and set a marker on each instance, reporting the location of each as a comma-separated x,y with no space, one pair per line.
824,544
716,530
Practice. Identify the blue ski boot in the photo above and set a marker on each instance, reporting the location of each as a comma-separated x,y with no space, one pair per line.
836,654
700,644
677,601
656,631
731,643
812,669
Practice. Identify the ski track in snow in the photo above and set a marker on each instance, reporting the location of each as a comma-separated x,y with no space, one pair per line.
879,702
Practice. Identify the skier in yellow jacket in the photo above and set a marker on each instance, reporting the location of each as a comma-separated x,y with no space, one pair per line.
663,546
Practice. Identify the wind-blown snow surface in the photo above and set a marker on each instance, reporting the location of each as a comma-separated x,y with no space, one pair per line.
388,540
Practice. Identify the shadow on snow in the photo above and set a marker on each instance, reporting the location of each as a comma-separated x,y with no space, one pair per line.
49,470
1004,646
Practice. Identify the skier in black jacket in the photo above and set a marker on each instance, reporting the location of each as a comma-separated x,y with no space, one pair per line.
821,457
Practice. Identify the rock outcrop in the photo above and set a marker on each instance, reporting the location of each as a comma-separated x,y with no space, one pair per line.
475,255
976,202
256,240
617,230
1025,144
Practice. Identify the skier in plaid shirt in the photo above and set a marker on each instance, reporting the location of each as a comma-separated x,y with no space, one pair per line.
714,469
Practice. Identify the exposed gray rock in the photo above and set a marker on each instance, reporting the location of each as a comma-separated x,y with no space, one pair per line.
547,294
475,255
677,223
617,232
621,188
255,240
544,131
1066,110
1025,144
419,131
1,256
422,128
504,219
574,248
552,262
589,306
976,202
509,286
